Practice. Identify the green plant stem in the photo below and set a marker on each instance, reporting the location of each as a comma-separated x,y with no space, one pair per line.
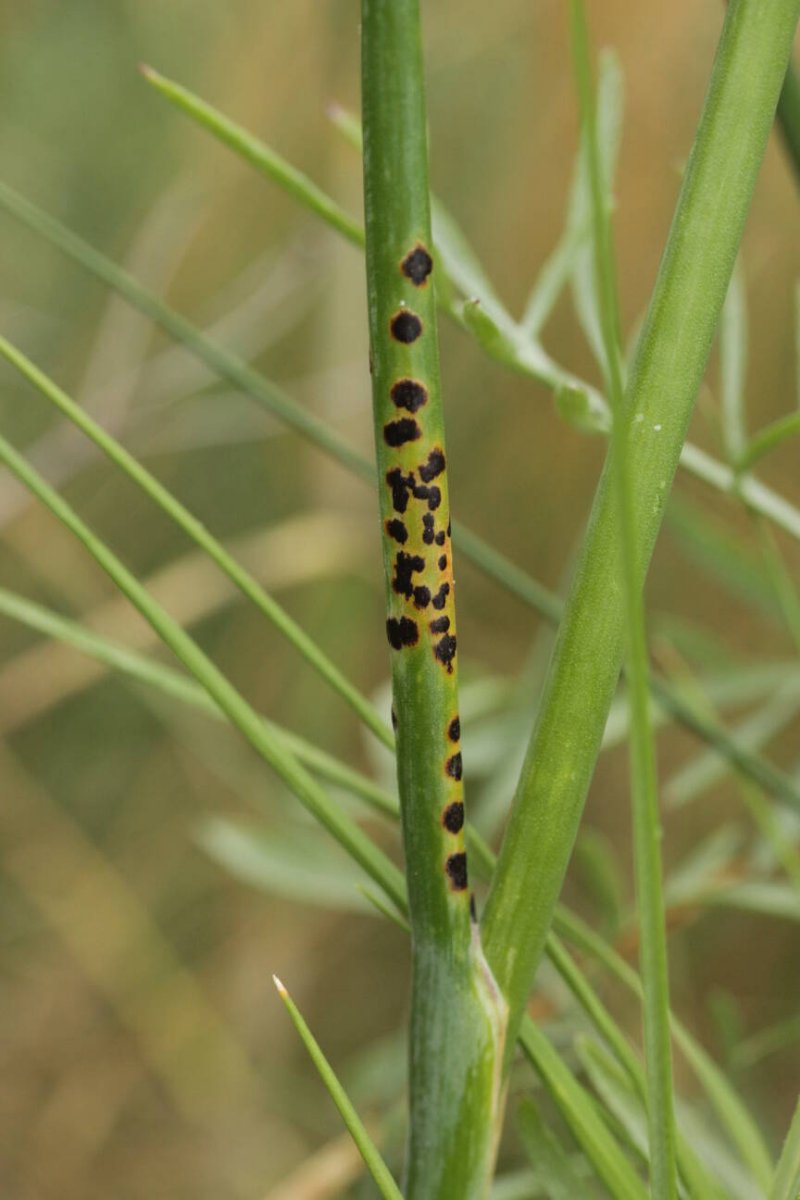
671,357
241,715
789,117
644,787
484,556
457,1014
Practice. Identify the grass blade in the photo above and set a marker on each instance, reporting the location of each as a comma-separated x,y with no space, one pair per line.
786,1184
219,688
366,1147
243,580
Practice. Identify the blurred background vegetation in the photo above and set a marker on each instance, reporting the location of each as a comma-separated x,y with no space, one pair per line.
143,1050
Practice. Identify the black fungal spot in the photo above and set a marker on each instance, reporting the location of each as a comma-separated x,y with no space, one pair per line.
417,265
394,718
440,538
427,529
453,817
456,867
432,494
448,529
401,633
397,433
440,599
405,326
445,651
422,596
409,394
454,729
440,625
443,562
434,466
404,567
454,766
397,530
402,487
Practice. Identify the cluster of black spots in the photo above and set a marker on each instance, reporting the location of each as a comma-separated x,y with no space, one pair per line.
409,394
422,596
434,466
402,487
453,817
397,530
427,529
440,625
406,565
440,537
454,729
417,265
405,326
443,562
432,494
397,433
456,867
394,719
445,651
401,633
440,599
454,766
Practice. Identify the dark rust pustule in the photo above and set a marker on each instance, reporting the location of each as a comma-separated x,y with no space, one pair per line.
417,265
456,867
453,817
397,530
440,599
440,625
397,433
402,488
427,529
443,562
445,651
402,632
422,596
454,729
405,326
454,766
409,394
406,565
434,466
432,494
440,538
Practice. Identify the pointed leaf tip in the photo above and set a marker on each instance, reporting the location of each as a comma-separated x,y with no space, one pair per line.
281,990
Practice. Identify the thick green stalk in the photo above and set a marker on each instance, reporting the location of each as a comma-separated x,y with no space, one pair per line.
644,786
671,357
457,1014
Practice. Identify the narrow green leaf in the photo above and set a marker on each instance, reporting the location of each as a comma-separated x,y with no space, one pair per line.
292,862
767,440
581,1116
243,580
786,1184
789,117
552,1168
733,368
366,1147
257,154
576,407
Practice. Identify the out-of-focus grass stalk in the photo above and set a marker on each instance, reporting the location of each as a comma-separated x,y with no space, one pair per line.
241,715
643,777
244,581
457,1013
672,352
